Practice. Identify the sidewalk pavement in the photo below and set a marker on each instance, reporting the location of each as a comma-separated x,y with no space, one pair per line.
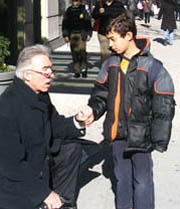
97,193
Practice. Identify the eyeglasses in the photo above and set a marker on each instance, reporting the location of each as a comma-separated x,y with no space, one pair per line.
47,74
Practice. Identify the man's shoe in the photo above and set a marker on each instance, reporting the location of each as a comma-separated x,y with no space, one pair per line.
84,73
76,75
70,207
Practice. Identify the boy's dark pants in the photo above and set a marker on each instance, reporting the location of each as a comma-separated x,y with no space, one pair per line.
134,175
78,51
65,171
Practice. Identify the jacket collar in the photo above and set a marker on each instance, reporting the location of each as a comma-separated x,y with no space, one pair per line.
28,95
143,44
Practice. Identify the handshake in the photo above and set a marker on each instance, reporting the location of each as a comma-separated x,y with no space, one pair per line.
85,116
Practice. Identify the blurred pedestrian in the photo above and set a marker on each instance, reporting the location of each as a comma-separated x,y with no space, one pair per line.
168,24
132,9
147,10
177,10
104,11
77,29
140,9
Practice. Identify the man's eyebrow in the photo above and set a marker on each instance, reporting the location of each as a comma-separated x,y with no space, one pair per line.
47,66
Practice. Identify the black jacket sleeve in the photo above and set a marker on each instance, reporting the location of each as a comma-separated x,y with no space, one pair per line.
99,95
163,110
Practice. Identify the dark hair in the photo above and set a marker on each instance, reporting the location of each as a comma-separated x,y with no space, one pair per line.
122,24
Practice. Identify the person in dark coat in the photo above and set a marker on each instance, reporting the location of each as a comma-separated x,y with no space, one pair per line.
104,11
147,8
178,10
168,24
132,8
77,30
31,133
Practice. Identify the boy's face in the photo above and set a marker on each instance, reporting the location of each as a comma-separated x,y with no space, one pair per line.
76,3
118,43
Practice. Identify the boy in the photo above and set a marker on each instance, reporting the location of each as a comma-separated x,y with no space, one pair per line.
137,94
77,29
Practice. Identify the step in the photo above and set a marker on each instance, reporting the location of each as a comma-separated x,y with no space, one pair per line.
64,75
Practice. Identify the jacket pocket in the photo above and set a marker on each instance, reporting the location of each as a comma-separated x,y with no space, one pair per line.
138,138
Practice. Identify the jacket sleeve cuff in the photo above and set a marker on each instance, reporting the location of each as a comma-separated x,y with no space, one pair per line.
160,133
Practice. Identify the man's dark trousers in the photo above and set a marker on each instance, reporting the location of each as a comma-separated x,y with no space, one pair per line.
65,171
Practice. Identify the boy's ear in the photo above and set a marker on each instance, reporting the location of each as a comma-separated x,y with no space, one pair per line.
129,36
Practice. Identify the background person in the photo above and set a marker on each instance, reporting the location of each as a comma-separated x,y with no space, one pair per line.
147,4
140,9
168,24
77,29
104,11
31,133
132,9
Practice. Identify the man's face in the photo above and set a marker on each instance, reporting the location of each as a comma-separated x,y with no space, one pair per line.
118,43
39,77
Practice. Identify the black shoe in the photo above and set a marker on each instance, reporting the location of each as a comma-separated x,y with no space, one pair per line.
76,75
84,73
68,207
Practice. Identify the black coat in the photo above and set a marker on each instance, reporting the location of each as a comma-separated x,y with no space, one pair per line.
77,20
111,11
30,131
167,13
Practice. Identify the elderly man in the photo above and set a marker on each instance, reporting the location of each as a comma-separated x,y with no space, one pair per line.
31,134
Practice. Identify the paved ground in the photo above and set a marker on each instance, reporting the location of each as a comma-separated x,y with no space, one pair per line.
96,189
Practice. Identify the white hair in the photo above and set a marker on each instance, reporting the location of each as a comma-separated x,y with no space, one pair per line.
26,55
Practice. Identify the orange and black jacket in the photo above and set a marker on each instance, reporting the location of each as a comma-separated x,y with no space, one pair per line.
139,105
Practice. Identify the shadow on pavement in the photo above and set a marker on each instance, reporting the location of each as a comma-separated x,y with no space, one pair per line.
160,40
94,154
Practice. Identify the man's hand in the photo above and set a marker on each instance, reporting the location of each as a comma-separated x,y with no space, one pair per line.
53,201
88,38
101,10
66,39
85,115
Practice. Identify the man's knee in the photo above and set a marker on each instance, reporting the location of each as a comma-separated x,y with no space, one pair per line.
74,147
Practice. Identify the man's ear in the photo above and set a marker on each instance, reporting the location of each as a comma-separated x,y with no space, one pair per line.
27,75
129,36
